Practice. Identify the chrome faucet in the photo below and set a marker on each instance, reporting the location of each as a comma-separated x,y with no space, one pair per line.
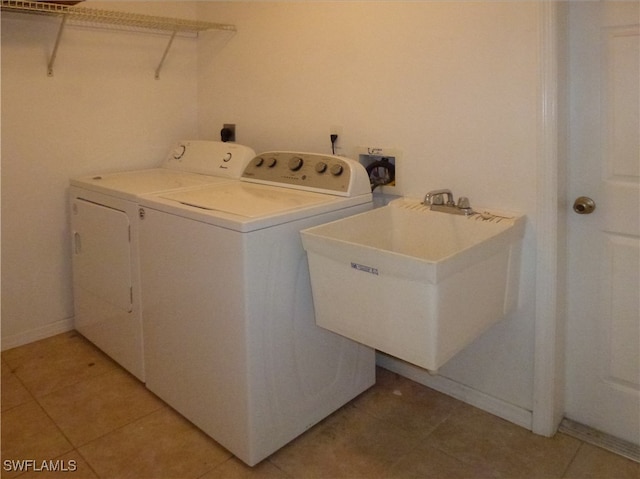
435,200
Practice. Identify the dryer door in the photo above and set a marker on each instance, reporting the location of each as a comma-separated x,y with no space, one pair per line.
101,254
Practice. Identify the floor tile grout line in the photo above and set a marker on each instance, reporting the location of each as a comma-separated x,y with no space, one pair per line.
37,399
15,372
209,471
31,395
89,465
286,473
573,458
489,466
458,404
417,444
60,430
57,426
433,430
78,448
75,385
122,426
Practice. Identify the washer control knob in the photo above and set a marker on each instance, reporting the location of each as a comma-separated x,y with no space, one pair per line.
321,167
259,161
295,163
271,162
336,170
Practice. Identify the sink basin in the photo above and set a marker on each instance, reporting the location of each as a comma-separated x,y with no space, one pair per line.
414,283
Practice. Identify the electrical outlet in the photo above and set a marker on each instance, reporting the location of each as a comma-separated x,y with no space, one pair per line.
228,132
335,145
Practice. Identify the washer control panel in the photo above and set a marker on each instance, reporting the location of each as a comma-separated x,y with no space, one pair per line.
309,171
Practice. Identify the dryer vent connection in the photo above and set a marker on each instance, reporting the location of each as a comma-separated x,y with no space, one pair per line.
382,167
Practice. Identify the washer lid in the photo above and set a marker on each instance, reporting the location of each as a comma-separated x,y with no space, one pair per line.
248,200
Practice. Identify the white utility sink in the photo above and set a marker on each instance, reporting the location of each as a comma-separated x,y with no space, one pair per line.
414,283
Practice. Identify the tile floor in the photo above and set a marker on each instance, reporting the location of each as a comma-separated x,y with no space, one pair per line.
67,404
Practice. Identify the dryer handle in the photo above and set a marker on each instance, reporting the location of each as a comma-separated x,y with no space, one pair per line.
77,243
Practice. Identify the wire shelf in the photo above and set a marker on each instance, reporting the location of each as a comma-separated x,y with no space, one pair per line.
109,17
77,14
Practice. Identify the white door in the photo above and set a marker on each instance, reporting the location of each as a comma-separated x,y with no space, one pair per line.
603,325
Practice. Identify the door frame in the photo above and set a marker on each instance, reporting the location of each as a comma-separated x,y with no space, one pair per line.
548,380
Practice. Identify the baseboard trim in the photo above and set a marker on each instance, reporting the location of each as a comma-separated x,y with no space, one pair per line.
26,337
507,411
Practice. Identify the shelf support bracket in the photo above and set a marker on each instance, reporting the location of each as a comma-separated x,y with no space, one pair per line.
54,53
164,55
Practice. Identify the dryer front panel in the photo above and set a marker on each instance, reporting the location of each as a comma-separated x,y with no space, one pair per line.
102,253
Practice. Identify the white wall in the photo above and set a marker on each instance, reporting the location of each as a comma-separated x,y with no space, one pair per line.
454,86
101,111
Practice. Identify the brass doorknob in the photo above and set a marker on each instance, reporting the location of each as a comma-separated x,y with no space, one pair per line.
584,205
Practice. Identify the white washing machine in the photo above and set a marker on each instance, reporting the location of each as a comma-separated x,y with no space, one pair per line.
230,336
104,223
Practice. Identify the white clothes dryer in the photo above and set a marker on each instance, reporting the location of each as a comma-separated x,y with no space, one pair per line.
230,336
104,224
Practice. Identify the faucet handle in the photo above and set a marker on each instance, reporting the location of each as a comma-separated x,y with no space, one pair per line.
437,200
463,202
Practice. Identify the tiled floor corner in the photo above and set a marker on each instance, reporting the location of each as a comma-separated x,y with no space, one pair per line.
75,413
